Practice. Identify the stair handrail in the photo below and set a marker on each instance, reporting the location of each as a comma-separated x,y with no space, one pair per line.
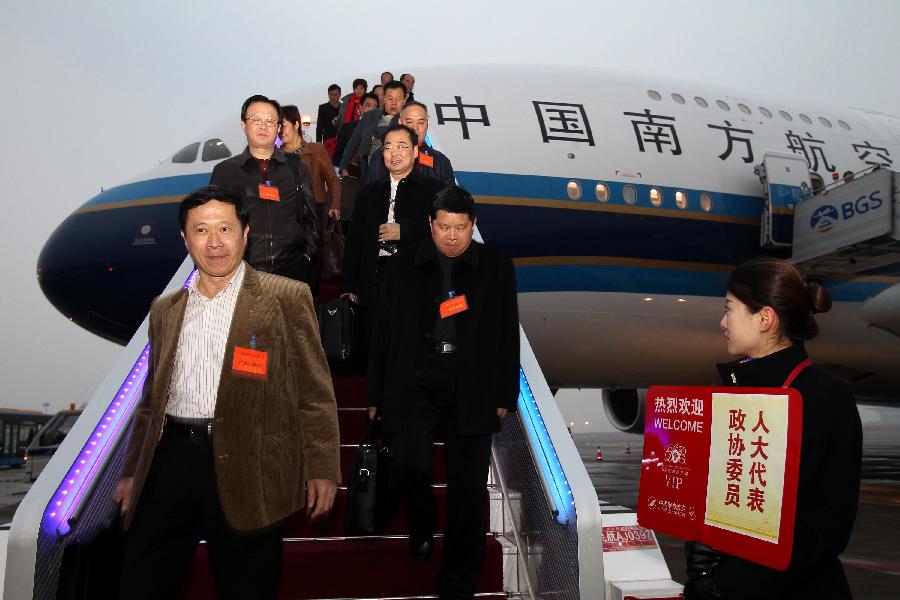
56,500
495,461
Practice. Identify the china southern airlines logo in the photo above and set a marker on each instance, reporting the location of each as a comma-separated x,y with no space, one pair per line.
824,218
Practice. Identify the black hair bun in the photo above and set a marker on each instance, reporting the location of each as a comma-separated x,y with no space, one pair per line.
819,297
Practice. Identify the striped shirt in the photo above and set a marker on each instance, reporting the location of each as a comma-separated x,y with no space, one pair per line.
390,216
201,350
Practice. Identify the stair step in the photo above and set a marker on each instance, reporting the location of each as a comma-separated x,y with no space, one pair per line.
332,525
329,289
350,392
354,568
352,424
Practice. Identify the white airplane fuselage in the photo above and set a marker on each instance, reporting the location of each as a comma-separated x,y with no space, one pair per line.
623,201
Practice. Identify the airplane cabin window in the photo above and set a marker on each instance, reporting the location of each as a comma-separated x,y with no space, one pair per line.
744,109
215,149
701,102
656,197
765,112
188,154
785,115
654,95
844,124
705,202
805,119
573,189
602,191
681,199
723,105
678,98
629,195
825,122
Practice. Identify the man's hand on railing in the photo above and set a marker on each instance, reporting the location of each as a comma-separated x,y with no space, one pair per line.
122,495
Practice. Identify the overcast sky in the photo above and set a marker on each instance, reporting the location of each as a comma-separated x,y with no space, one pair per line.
96,92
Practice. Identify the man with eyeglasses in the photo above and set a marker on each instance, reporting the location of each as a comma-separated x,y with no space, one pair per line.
284,228
388,215
430,162
367,136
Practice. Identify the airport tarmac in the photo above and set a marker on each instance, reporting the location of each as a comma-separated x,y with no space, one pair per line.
872,559
13,487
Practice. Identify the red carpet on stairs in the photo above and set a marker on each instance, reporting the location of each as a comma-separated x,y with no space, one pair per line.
353,568
322,560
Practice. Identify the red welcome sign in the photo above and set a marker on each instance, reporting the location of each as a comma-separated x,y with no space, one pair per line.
720,466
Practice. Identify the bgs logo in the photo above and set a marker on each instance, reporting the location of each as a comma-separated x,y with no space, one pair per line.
823,218
826,216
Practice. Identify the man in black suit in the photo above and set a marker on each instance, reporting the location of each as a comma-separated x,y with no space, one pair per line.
388,215
326,121
446,356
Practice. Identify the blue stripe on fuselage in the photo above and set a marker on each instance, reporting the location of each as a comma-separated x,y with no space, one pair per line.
528,231
554,188
178,185
565,232
480,184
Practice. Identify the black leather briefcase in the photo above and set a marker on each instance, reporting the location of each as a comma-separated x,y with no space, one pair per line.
368,488
340,330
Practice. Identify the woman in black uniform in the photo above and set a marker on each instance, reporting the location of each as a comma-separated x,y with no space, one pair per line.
769,311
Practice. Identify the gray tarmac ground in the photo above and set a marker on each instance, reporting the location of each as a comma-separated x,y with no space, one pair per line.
872,559
13,488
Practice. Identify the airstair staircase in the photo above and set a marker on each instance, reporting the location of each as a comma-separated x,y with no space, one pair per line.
545,530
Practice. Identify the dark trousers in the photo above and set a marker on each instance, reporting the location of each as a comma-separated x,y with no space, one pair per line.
467,457
367,312
179,506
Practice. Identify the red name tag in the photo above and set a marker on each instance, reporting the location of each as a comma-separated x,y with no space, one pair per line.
426,160
249,361
269,192
453,306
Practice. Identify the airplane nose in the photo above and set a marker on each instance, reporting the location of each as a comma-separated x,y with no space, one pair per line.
101,267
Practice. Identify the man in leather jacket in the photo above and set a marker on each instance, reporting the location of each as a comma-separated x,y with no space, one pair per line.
276,189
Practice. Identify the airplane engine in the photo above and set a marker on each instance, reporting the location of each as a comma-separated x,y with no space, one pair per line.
883,311
625,408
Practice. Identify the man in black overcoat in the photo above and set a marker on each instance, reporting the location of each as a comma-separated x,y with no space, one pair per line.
389,215
446,356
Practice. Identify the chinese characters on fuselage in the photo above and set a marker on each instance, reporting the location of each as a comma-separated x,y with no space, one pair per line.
654,132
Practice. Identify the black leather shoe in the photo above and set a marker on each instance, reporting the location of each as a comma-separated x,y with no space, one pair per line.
421,548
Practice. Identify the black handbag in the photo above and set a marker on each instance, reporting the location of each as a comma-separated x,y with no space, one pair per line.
368,489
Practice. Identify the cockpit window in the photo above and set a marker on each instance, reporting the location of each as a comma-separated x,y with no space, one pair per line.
215,149
188,154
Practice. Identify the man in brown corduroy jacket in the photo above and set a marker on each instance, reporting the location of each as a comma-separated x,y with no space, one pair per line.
237,425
